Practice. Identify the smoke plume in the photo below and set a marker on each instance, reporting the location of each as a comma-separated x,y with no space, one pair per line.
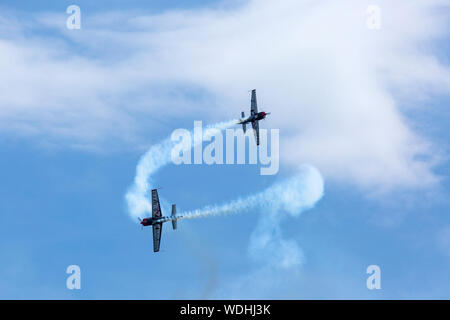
293,195
154,159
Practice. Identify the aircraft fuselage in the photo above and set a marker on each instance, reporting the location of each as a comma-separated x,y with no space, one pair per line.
254,117
151,221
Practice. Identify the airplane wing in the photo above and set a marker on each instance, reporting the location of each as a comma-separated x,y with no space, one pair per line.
255,125
254,106
156,208
157,230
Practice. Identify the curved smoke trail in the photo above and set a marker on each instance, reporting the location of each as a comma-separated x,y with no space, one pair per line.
155,158
293,195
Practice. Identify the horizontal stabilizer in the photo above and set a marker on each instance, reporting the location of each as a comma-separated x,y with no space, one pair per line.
174,212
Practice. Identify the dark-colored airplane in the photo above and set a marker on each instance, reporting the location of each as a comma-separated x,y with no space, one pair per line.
254,117
157,220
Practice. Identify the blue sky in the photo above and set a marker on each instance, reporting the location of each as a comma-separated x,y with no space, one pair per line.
367,108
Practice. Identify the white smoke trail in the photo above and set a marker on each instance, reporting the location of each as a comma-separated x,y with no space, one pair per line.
293,195
155,158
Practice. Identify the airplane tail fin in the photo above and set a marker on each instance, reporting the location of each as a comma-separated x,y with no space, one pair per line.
243,125
174,212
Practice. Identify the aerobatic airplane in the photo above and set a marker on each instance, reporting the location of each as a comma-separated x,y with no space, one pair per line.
157,220
254,117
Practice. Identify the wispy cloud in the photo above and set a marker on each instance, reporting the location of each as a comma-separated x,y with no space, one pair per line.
336,89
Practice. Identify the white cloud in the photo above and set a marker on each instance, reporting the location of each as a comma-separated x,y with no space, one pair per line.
335,88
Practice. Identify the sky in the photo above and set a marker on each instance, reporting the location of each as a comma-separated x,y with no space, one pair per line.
363,149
